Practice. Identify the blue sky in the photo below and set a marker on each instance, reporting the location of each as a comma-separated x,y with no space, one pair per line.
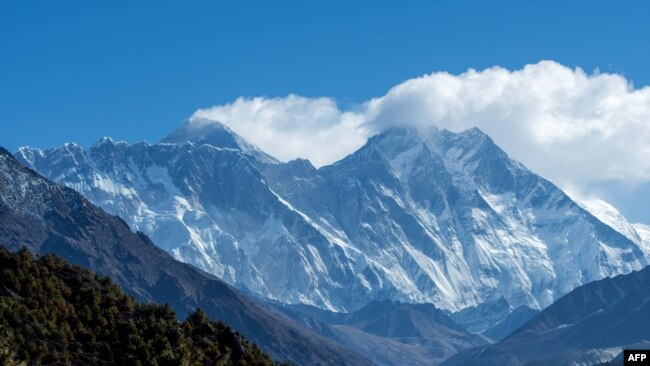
134,70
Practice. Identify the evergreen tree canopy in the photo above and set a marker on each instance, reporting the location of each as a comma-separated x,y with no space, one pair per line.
54,313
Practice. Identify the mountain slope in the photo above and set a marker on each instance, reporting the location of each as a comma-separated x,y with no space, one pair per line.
48,218
449,219
414,216
209,207
592,323
638,233
515,319
52,313
391,333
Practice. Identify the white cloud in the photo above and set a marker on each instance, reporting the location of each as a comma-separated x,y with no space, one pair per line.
569,126
292,127
564,124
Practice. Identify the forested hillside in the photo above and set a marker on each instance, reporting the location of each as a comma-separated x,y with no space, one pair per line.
54,313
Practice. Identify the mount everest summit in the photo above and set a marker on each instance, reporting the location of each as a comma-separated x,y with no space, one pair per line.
419,216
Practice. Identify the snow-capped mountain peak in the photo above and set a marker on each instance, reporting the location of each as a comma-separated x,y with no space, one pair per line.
425,216
216,134
605,212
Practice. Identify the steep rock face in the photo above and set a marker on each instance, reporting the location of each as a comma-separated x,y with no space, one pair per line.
47,218
450,219
415,216
590,325
209,207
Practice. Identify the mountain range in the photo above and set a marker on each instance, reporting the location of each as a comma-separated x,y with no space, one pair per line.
402,252
414,216
46,218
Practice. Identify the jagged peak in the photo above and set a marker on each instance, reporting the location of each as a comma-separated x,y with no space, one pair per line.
107,141
406,132
202,131
72,145
472,136
28,148
104,140
431,134
302,162
142,143
473,131
392,142
28,155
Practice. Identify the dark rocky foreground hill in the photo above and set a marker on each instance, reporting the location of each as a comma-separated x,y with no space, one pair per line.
47,218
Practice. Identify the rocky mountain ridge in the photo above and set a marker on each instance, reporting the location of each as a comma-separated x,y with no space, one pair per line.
415,216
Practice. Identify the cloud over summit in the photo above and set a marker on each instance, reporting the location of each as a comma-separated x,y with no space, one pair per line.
571,127
292,127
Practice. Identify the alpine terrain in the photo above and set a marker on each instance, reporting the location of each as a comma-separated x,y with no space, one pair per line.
590,325
49,219
415,216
